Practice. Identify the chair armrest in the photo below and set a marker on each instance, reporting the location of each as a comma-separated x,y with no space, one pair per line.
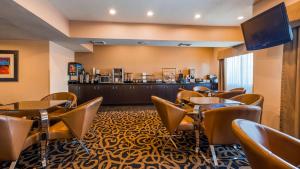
192,113
285,146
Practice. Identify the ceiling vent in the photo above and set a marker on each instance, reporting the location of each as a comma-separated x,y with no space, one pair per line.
98,42
184,44
141,43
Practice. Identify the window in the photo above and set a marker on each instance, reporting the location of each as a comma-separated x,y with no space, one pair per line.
239,72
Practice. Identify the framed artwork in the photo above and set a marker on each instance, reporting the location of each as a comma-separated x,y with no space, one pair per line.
9,62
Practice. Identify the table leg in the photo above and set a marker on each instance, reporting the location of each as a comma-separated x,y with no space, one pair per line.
44,136
197,131
197,149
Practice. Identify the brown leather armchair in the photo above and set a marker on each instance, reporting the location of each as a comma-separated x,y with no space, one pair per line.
76,123
201,89
217,124
265,147
185,95
230,94
172,117
13,134
71,97
238,88
72,103
250,99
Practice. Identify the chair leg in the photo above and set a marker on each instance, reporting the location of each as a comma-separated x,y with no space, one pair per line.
174,144
172,141
81,145
13,165
166,143
84,147
213,153
157,131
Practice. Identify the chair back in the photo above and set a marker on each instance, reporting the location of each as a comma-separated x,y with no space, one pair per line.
13,133
200,89
186,95
217,122
79,120
170,115
265,147
250,99
230,94
238,88
71,97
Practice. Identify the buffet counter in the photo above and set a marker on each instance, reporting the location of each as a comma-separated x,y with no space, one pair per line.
129,93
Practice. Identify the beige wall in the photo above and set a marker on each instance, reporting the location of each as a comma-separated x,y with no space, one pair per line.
267,73
81,29
59,57
148,59
46,11
267,81
33,71
267,69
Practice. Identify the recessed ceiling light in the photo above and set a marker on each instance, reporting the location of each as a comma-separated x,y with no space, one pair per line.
150,13
112,11
240,17
197,16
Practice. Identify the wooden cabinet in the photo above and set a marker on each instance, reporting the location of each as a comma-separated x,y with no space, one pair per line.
128,94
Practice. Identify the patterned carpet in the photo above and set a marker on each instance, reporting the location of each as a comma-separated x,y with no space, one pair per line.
123,137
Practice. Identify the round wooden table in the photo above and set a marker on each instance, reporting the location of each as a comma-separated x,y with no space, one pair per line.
212,101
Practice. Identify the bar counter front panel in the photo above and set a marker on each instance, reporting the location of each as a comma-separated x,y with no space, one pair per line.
129,93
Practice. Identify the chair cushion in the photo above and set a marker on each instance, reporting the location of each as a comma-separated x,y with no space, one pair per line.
186,124
59,131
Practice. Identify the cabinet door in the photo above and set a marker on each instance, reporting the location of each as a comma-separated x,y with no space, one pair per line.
160,91
105,90
147,93
171,92
74,88
124,93
136,94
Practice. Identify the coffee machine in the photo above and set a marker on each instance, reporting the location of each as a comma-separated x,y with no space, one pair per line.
74,69
192,74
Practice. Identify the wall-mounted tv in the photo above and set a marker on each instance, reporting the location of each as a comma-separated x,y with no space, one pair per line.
268,29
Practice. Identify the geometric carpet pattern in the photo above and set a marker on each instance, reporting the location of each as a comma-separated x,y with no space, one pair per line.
124,137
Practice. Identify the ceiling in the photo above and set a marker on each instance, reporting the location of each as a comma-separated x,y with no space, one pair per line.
142,42
213,12
17,23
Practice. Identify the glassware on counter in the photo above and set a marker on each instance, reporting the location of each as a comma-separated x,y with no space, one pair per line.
169,75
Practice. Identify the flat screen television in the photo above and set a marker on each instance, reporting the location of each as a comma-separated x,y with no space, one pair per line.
268,29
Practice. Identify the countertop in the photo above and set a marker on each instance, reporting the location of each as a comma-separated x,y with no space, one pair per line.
139,83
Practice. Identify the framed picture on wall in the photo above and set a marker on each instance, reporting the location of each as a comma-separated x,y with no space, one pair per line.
9,62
